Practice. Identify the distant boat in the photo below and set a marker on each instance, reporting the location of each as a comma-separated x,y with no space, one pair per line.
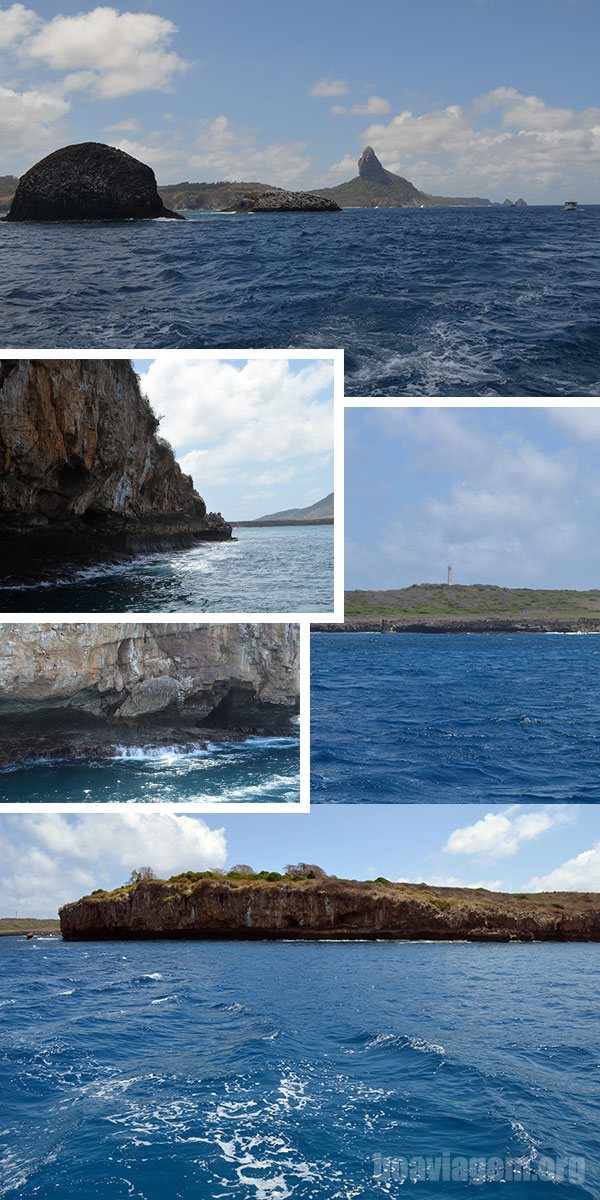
571,205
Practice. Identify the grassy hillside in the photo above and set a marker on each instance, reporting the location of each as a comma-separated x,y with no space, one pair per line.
24,925
476,600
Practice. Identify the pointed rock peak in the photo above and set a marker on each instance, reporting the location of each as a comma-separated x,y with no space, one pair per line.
369,166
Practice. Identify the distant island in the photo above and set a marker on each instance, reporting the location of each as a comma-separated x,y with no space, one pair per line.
29,926
472,608
373,187
305,903
319,513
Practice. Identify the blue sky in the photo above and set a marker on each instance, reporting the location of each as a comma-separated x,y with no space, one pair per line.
50,858
490,96
509,496
255,435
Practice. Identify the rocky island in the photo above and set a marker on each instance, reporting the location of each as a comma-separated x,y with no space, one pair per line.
375,187
88,182
472,608
279,200
84,476
240,906
75,691
319,513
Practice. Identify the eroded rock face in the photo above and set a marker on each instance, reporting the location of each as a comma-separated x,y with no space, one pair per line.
88,182
330,908
83,474
369,166
71,687
283,201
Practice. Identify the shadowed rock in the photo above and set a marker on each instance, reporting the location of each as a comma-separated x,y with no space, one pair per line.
88,182
283,201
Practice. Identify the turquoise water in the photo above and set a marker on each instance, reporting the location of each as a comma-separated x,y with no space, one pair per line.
265,570
259,770
457,302
271,1071
454,718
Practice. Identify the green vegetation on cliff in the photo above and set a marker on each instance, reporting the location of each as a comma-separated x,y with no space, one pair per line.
477,601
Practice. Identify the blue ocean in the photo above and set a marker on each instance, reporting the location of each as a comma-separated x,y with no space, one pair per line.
272,569
454,718
258,770
155,1070
459,302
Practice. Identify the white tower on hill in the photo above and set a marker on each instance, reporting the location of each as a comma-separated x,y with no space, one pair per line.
449,574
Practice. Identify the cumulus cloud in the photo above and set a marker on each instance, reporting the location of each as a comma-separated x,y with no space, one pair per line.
508,510
501,834
374,106
116,53
503,142
102,52
228,421
492,885
578,874
329,87
51,858
583,422
16,23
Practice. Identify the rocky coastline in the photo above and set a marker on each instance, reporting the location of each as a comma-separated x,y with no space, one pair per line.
80,691
280,200
209,906
462,625
84,475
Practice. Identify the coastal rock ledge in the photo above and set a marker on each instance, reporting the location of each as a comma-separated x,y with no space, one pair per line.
88,182
280,200
84,476
76,691
206,905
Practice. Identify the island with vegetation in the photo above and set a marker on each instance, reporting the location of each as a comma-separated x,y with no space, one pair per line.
29,927
319,513
305,903
473,608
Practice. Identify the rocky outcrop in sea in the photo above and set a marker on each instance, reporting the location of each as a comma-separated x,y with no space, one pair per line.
280,200
88,182
84,475
80,690
207,906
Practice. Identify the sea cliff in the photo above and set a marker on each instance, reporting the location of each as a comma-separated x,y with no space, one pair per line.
241,907
84,475
79,690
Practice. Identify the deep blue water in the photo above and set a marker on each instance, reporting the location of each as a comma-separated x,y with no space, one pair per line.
266,570
454,718
257,770
170,1070
424,301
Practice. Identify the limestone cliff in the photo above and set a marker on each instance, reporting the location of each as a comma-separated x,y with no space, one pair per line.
243,908
73,690
83,474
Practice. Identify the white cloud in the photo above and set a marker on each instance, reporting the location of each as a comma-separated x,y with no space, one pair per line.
230,418
118,53
583,422
578,874
492,885
50,859
509,511
329,87
16,23
129,125
374,106
31,121
502,834
532,148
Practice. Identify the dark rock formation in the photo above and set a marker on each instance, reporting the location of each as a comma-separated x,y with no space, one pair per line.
508,203
83,475
520,203
88,182
284,201
374,187
214,197
78,690
214,907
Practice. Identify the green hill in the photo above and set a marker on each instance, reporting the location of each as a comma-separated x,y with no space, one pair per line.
374,187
